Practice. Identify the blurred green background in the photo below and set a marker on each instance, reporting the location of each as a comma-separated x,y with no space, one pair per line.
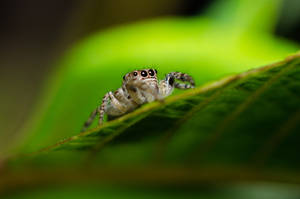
58,58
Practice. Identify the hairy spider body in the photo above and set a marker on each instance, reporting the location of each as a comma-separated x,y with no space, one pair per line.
138,87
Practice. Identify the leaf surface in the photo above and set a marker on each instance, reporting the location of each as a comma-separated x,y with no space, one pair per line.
242,128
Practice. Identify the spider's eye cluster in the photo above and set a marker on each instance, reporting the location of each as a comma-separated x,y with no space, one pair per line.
144,73
151,72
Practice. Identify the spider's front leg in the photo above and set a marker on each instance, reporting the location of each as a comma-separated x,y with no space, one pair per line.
183,77
110,105
142,92
167,85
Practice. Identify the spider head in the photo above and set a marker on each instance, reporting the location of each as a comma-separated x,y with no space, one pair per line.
144,74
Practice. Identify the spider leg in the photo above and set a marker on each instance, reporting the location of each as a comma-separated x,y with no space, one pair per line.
100,109
150,91
135,93
125,99
90,120
142,92
183,77
119,105
167,85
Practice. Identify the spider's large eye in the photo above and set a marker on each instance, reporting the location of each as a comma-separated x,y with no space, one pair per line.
155,71
144,73
151,72
124,77
135,73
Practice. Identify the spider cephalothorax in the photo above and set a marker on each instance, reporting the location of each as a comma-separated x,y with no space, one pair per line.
138,87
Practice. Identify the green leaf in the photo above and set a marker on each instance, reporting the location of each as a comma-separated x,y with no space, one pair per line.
240,119
242,128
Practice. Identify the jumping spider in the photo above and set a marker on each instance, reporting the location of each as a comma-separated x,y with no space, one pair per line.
138,87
